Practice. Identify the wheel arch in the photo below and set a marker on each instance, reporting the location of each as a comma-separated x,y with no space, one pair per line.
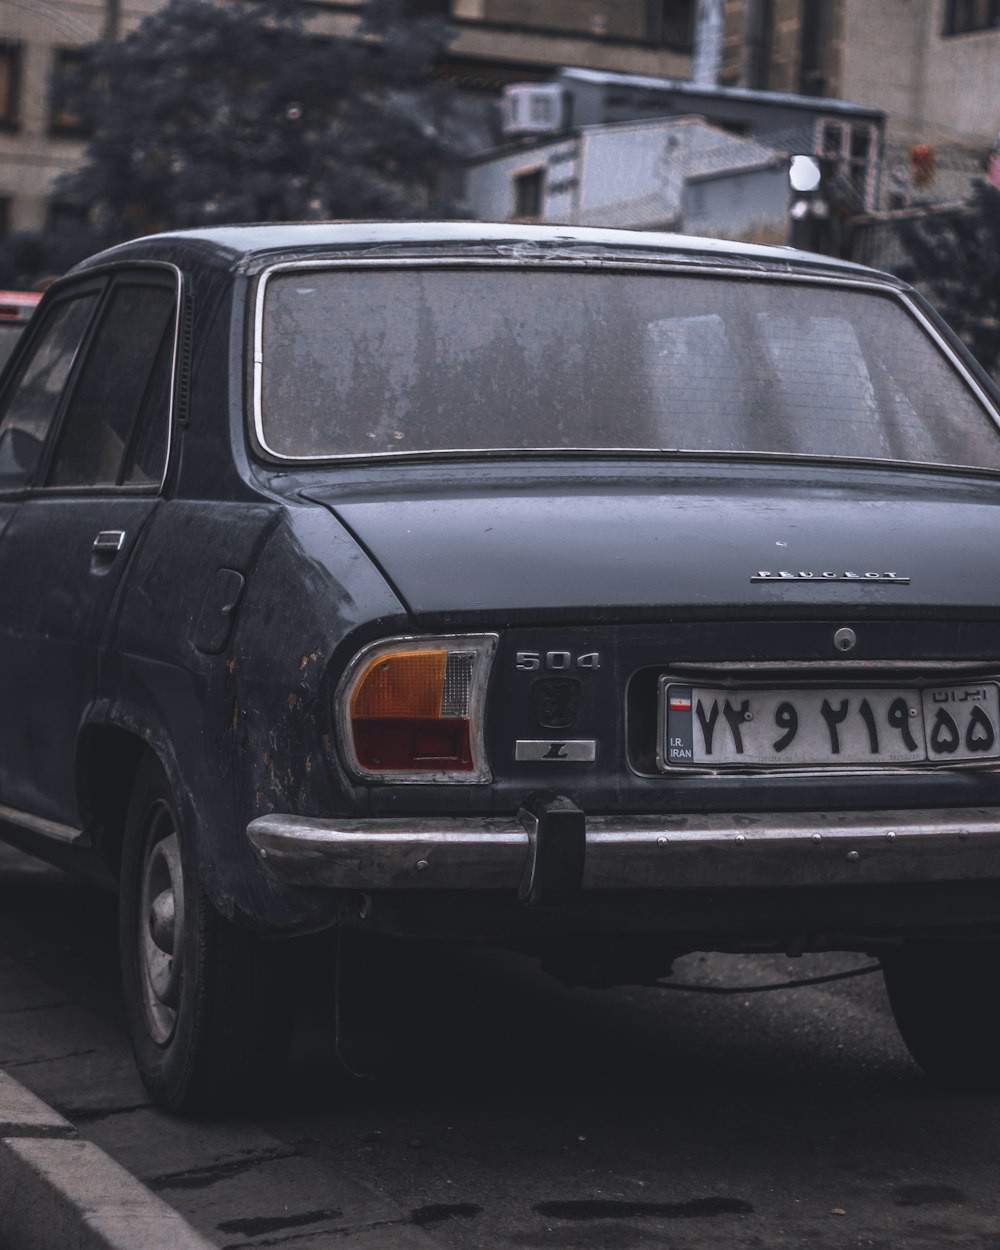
109,755
111,745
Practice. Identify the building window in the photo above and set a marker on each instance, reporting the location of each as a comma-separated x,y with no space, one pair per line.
670,23
10,84
962,16
847,151
816,39
529,194
759,41
66,73
65,215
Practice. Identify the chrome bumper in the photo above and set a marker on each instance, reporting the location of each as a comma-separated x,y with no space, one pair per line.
556,850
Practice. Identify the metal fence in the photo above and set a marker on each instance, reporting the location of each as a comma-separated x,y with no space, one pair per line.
923,175
874,238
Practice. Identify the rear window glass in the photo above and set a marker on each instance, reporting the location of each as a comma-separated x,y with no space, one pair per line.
388,360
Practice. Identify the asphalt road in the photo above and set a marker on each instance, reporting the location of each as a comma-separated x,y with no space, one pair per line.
494,1109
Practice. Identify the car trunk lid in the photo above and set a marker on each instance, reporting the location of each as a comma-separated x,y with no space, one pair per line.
704,541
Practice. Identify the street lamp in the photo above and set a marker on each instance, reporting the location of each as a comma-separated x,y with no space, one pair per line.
808,210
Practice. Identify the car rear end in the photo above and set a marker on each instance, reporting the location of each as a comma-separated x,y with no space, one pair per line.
700,562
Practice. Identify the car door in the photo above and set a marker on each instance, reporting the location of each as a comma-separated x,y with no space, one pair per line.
28,408
69,539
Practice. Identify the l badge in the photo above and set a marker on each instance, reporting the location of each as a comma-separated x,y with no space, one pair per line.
576,751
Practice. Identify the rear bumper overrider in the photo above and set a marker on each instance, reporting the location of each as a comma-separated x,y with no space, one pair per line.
552,851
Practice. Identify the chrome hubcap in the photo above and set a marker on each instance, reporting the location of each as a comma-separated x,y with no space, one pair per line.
161,926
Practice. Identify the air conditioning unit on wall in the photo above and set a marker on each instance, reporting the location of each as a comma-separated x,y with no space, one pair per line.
530,108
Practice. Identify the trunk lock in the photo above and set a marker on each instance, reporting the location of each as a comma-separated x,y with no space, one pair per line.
845,639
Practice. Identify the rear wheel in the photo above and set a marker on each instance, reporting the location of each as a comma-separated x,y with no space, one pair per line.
946,1002
208,1004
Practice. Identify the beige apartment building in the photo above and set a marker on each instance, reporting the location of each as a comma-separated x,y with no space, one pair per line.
495,42
933,66
501,41
40,43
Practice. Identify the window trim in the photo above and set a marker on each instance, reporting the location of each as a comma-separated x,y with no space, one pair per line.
911,306
112,276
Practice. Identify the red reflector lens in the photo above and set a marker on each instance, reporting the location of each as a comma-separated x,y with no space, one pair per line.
383,744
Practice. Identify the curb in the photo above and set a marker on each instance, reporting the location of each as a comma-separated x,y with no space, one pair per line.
58,1192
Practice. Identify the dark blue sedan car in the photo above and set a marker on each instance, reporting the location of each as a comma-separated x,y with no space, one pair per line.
605,595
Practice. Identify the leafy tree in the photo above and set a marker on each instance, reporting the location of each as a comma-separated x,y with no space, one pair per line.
28,257
954,257
237,111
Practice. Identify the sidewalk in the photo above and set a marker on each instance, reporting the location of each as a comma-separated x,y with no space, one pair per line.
58,1192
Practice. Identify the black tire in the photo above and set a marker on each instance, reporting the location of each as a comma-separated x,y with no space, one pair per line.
208,1004
946,1002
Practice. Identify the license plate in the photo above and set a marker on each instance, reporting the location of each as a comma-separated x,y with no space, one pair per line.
834,727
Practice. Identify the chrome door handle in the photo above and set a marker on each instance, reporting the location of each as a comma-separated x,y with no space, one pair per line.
109,542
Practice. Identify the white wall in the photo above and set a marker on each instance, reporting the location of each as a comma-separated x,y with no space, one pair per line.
752,205
677,174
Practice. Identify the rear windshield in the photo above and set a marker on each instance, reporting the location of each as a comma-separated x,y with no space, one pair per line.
375,361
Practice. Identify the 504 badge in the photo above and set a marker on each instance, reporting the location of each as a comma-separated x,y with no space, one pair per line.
556,661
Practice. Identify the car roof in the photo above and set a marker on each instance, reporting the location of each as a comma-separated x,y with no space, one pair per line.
251,247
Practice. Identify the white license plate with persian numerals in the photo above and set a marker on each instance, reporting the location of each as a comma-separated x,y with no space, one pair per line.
802,726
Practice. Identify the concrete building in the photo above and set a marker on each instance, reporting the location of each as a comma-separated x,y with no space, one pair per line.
849,134
598,148
678,174
495,42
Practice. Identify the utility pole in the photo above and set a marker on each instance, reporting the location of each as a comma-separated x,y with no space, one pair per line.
707,43
112,19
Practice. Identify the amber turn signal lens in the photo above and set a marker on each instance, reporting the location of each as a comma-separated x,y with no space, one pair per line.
407,684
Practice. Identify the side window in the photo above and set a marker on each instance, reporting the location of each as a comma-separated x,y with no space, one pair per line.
148,453
115,425
34,396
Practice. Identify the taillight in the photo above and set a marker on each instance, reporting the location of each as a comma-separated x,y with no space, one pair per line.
411,709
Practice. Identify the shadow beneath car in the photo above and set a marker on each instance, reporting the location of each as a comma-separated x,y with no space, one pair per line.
492,1024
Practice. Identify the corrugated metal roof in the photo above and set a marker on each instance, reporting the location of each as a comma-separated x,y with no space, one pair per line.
659,210
815,104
